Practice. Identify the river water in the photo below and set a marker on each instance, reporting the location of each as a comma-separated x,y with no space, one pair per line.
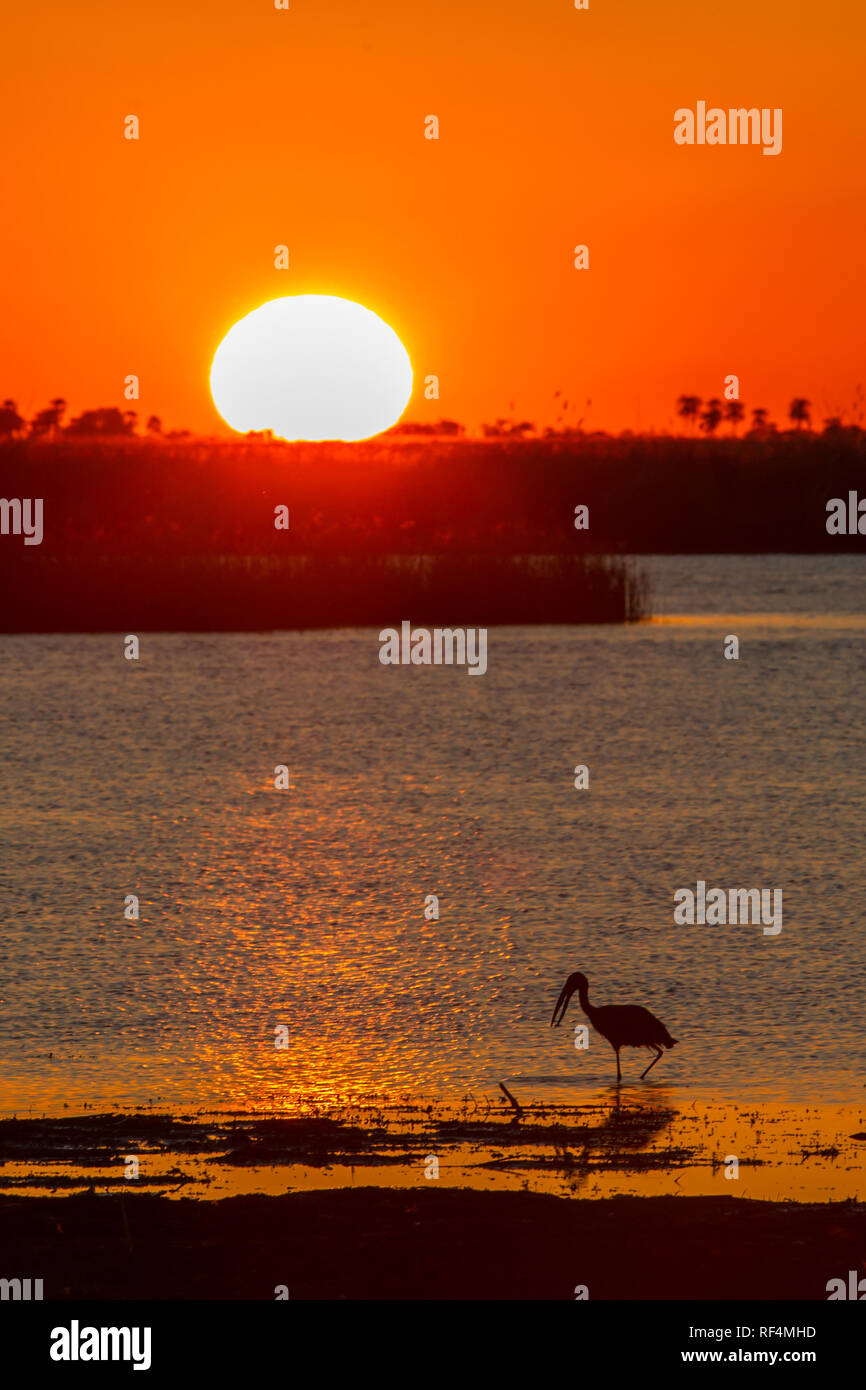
304,909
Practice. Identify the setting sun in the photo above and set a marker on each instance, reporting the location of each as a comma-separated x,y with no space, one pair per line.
311,366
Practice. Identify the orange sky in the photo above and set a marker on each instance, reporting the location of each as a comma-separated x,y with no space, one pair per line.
260,126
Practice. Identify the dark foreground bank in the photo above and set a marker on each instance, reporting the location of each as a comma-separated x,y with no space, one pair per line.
370,1243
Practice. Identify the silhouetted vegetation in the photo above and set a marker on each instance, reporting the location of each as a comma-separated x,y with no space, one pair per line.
99,424
103,592
176,531
11,423
155,496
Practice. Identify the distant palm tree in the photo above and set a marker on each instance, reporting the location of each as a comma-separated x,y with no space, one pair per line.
759,419
688,407
154,425
711,416
58,405
734,412
798,412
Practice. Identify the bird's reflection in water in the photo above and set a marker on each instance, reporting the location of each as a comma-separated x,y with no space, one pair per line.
624,1138
636,1122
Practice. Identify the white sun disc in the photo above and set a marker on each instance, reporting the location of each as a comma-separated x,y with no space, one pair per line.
311,366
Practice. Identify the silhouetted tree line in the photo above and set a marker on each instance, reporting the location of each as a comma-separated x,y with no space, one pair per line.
708,416
105,423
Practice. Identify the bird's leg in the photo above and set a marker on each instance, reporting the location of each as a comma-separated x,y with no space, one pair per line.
618,1072
659,1051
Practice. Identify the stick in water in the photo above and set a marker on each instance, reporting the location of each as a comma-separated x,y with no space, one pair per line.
508,1096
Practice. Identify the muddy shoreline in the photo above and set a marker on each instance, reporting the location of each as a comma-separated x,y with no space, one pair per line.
650,1146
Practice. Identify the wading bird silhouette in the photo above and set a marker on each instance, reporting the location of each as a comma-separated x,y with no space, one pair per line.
624,1025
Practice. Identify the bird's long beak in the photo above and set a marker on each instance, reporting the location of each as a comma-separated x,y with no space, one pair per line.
562,1004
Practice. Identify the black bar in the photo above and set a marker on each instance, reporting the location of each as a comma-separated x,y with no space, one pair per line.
290,1338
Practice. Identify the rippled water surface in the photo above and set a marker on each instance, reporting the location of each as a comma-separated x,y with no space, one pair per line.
305,908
